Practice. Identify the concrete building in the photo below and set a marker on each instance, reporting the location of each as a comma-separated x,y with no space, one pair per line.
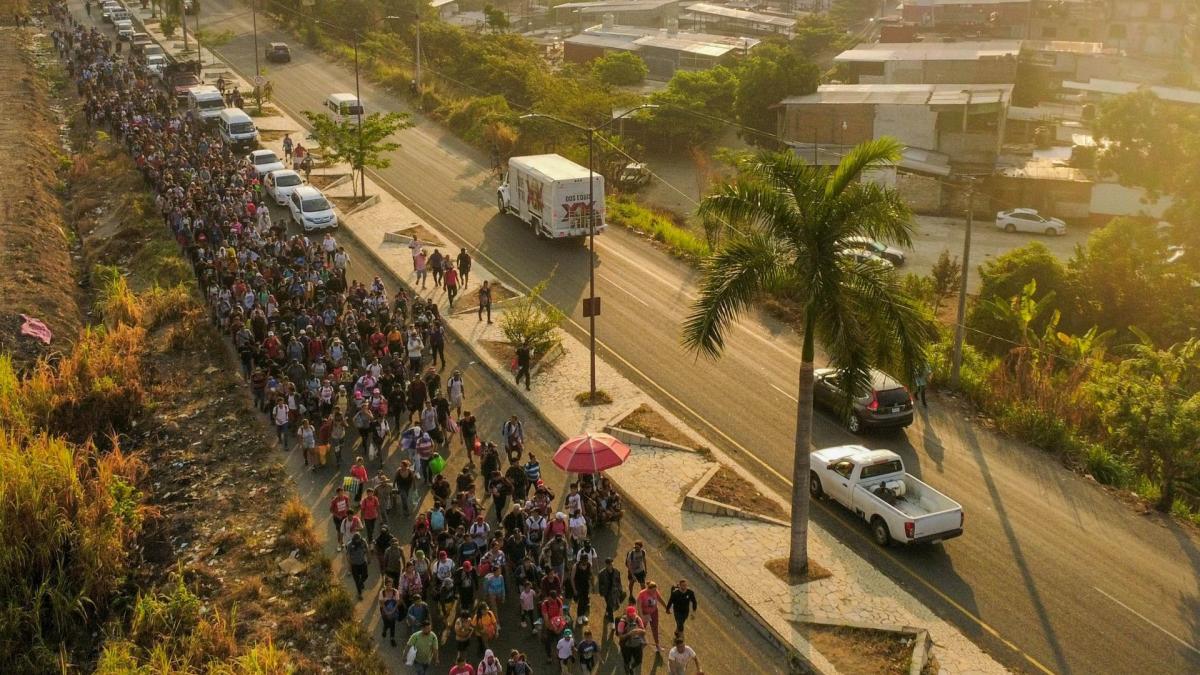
990,62
996,18
964,122
1099,90
1155,29
648,13
664,51
704,17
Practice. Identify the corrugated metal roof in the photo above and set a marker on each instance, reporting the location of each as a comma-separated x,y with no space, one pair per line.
604,41
1120,88
932,51
905,94
681,43
617,5
740,14
1063,46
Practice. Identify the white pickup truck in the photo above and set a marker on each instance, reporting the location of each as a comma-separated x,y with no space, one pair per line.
874,485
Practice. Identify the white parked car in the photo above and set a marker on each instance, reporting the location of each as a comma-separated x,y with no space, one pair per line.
310,210
280,183
888,253
265,161
1028,220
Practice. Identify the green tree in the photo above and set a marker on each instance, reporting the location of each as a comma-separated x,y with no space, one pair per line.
530,320
946,276
770,75
707,93
849,12
817,35
1151,410
792,220
1004,278
364,146
620,69
496,19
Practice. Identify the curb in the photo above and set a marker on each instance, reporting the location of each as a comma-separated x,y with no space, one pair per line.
635,438
922,642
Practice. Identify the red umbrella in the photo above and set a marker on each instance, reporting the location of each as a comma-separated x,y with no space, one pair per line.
590,453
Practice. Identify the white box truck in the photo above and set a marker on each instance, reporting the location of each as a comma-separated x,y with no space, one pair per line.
550,193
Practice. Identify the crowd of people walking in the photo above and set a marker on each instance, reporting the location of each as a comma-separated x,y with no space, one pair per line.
350,375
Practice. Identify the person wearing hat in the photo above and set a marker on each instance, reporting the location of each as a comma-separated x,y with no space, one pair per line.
566,649
631,635
490,665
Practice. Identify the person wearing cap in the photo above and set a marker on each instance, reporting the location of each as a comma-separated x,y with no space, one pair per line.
566,649
631,635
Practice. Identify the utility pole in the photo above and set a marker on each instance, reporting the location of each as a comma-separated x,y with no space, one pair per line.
961,322
418,54
362,173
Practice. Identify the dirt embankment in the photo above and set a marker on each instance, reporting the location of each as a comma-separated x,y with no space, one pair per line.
37,274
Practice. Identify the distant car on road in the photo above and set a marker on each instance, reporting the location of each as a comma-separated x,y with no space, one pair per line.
280,184
265,161
885,404
310,210
866,255
156,63
888,253
1028,220
278,52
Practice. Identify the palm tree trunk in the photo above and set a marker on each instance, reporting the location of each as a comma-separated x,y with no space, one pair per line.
798,556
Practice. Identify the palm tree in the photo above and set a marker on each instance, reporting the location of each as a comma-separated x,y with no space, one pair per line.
792,222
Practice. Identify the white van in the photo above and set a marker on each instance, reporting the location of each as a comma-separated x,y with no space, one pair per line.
121,15
236,127
344,105
205,103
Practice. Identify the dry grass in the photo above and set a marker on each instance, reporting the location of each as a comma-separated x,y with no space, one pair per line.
587,398
646,420
779,567
728,487
859,650
297,524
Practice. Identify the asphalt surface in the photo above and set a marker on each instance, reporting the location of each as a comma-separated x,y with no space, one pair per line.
1051,575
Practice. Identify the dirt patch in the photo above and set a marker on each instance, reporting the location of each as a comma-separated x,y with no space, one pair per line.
508,354
270,135
728,487
586,399
426,236
471,305
647,420
861,650
324,180
779,567
37,272
347,204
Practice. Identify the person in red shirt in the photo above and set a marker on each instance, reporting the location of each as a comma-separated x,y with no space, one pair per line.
552,622
273,346
648,600
461,667
369,508
339,508
359,471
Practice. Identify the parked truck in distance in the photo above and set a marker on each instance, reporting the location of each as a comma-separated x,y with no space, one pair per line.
873,484
550,193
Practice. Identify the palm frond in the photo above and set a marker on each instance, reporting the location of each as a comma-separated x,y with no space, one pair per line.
733,277
875,211
749,204
898,329
877,152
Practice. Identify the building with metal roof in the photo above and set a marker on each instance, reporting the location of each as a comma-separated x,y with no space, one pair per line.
973,62
664,51
707,17
648,13
964,122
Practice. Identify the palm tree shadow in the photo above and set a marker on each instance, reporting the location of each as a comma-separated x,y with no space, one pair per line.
972,442
1188,545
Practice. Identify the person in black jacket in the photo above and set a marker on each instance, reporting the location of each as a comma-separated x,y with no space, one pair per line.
681,604
610,587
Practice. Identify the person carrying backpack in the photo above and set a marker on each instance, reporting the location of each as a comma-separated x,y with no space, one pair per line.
631,634
389,609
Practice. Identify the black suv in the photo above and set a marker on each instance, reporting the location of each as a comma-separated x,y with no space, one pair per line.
886,404
279,52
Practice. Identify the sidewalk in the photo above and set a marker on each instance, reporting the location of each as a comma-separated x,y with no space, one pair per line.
655,479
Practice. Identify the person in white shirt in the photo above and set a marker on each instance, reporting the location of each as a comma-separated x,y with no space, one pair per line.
680,656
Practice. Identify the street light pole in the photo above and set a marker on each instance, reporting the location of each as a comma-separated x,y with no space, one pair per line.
254,27
362,175
960,322
591,304
418,54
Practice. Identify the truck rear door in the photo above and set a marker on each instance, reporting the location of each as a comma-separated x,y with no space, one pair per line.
935,524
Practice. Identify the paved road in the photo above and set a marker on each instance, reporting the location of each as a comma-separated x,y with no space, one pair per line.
1052,574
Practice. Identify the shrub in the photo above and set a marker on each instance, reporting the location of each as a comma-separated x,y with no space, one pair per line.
358,649
297,527
532,321
169,25
620,68
68,520
1105,467
334,606
680,241
116,302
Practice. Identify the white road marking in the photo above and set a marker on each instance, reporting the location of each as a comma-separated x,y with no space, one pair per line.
794,399
621,288
1143,618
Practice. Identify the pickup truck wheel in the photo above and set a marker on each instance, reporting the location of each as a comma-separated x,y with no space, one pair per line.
853,423
879,530
814,486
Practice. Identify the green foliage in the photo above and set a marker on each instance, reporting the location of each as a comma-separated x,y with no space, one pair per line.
708,93
620,69
772,73
472,118
1106,467
365,145
849,12
945,277
1004,278
495,19
212,39
169,24
680,241
531,321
